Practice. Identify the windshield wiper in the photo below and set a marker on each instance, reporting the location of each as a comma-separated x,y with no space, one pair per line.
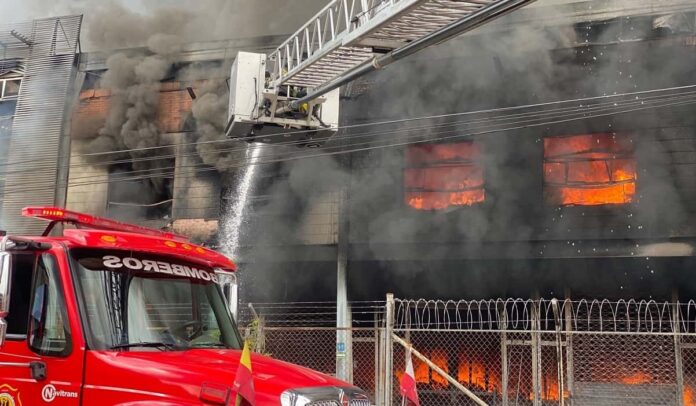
209,345
155,344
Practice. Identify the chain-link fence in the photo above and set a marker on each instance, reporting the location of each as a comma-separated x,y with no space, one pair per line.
498,352
548,352
306,334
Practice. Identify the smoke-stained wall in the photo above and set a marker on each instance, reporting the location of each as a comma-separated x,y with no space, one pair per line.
143,49
524,65
514,242
494,72
503,67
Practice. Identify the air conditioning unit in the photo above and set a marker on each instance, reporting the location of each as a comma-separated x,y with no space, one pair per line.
260,111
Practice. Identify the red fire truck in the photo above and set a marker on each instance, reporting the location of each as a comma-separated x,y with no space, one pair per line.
110,313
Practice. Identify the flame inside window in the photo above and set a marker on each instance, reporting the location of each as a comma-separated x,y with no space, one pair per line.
480,370
589,170
443,175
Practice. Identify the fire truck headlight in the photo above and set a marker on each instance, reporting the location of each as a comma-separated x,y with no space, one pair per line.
344,396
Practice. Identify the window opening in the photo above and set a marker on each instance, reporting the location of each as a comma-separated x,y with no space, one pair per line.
20,296
589,170
48,330
440,176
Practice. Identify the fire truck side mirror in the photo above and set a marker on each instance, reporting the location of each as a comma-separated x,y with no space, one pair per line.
5,284
228,283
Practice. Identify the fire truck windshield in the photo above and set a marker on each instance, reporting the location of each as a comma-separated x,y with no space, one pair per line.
145,302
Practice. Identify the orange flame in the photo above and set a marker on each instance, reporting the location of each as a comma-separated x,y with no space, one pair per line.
440,201
638,378
439,358
422,373
480,376
589,170
550,388
689,397
443,175
476,375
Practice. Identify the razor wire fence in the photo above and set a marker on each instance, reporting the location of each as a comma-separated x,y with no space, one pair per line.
497,352
552,352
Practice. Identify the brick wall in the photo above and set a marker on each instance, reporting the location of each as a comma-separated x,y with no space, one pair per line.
90,113
93,106
175,105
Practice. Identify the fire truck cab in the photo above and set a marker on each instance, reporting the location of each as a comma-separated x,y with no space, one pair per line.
116,314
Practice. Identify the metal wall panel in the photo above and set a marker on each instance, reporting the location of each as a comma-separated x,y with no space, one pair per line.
48,47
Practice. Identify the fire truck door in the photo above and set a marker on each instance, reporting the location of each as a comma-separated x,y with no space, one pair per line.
39,363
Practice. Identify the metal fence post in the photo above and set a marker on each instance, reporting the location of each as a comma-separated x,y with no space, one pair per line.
536,354
380,396
504,368
379,362
559,350
570,378
570,371
678,362
389,351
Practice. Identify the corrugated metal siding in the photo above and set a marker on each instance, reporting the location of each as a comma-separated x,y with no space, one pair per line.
38,124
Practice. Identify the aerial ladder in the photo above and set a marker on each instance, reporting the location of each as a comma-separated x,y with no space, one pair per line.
292,94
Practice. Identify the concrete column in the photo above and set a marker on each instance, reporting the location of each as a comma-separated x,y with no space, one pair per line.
344,336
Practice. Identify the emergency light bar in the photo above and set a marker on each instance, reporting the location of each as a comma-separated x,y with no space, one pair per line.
56,215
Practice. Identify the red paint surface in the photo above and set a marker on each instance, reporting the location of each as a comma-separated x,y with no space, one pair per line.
177,376
142,376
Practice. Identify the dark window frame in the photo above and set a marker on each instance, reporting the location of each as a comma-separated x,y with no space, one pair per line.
616,150
13,310
473,162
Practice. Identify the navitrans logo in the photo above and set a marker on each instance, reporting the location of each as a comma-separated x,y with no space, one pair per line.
49,393
9,396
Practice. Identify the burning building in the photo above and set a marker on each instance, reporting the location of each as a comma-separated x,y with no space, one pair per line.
521,201
591,197
490,205
505,202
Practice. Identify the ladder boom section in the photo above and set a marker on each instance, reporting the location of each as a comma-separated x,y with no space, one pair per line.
348,33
